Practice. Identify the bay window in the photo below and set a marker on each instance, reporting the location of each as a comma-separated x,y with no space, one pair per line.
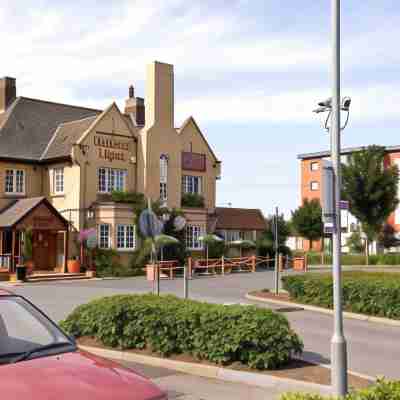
126,238
104,236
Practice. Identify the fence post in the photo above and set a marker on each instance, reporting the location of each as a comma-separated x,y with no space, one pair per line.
280,262
223,265
253,263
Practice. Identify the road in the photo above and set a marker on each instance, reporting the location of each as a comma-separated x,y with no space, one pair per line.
374,349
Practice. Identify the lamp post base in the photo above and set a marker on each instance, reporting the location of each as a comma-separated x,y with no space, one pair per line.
339,365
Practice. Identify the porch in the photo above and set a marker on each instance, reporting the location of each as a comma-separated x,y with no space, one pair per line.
48,233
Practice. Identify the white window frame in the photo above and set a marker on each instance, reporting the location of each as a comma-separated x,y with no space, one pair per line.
58,180
163,178
126,237
189,184
314,166
102,237
17,184
314,186
192,234
110,179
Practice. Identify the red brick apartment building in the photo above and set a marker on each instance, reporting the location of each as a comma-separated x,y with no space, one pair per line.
311,184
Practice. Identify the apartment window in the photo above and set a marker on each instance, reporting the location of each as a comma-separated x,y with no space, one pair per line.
58,180
192,236
15,181
126,239
191,184
110,179
314,185
314,166
104,236
234,235
163,178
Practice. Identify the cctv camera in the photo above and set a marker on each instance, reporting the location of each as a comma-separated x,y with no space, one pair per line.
346,103
327,103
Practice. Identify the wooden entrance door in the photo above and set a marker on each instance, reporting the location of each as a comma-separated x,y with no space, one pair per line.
44,250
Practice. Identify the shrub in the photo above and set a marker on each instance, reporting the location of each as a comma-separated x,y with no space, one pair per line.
382,390
107,265
371,293
256,337
192,200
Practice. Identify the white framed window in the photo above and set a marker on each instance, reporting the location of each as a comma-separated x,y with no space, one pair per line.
58,180
192,235
163,178
233,235
15,181
110,179
191,184
314,185
314,166
126,237
104,236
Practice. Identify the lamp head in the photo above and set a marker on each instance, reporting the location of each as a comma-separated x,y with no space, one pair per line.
346,103
320,110
326,103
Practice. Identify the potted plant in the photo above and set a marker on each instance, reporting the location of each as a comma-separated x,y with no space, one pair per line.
27,253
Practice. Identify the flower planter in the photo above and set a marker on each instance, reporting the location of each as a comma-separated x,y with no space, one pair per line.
74,266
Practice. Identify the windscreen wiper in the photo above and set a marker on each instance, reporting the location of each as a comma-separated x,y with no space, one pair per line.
50,346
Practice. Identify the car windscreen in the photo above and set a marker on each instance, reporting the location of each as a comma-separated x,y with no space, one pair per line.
24,329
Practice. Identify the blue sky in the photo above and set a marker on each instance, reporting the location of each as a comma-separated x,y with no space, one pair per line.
250,72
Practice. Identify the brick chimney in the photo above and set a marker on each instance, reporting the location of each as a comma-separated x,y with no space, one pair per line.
8,92
135,107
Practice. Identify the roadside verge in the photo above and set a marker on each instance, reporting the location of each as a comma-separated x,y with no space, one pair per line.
307,307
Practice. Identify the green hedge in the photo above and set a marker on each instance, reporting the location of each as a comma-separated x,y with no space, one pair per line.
355,259
371,293
382,390
259,338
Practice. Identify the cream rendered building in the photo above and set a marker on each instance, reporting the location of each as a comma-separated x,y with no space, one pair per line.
69,159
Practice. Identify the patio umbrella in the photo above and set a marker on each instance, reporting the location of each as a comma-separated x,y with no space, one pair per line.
164,240
209,239
242,244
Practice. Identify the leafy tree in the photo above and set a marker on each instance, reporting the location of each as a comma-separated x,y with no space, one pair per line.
266,243
307,220
370,187
355,243
387,237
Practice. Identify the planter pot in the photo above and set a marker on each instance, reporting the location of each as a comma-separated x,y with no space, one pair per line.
30,266
299,264
151,272
21,273
74,266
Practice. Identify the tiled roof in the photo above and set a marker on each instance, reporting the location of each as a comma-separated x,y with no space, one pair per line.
65,136
239,218
17,210
30,124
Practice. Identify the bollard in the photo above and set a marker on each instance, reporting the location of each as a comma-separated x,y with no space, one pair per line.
185,282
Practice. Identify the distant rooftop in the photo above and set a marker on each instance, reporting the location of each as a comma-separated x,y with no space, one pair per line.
347,150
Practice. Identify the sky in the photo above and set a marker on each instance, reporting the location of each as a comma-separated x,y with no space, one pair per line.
249,71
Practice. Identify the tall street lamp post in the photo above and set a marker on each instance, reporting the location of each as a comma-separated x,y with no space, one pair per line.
333,107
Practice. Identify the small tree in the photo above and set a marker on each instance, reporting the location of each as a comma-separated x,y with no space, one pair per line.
370,187
355,243
387,237
307,220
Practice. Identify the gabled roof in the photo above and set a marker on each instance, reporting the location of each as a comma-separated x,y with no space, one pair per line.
65,137
239,219
14,213
29,125
187,122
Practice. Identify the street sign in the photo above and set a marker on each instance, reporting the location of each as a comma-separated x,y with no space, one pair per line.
328,228
344,205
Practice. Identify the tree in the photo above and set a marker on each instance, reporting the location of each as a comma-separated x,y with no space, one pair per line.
307,220
355,243
266,243
370,187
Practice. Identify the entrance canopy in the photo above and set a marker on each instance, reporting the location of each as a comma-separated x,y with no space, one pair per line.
39,216
33,213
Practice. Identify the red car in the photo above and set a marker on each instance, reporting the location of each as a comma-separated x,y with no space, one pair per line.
40,362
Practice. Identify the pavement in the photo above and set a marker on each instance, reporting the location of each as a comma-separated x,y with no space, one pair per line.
373,348
181,386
